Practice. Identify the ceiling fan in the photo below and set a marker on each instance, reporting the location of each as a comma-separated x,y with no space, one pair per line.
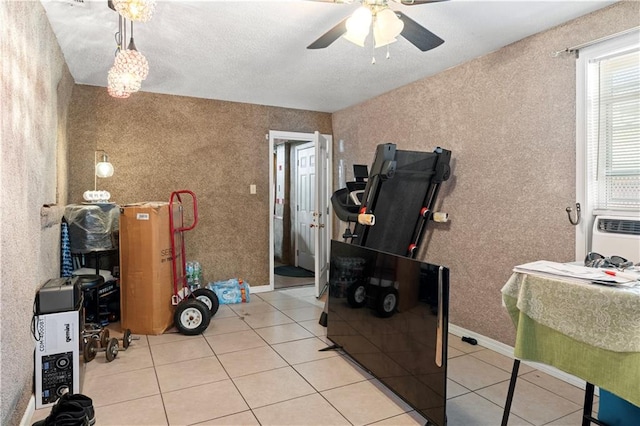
387,24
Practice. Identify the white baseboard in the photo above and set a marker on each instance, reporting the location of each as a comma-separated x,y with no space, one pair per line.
28,414
507,351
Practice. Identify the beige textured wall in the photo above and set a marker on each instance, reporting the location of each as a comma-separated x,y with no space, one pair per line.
160,143
509,119
36,89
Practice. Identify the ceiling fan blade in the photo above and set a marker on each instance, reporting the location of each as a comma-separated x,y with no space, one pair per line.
330,36
418,35
416,2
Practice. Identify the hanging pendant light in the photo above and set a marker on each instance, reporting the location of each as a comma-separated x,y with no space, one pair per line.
130,61
122,82
135,10
117,92
129,69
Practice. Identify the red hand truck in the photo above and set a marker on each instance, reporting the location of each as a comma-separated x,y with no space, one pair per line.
194,307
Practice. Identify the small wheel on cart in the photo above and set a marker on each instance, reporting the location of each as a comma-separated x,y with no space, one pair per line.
209,298
387,302
357,295
191,317
89,350
104,338
112,350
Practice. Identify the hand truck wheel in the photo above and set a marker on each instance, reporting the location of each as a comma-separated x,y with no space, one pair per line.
191,317
209,298
357,295
387,302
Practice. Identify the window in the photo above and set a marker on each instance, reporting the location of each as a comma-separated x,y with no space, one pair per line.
613,132
608,131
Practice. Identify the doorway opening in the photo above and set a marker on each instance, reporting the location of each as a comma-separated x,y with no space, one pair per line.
293,208
300,182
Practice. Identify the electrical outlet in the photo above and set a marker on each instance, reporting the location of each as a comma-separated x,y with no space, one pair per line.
252,189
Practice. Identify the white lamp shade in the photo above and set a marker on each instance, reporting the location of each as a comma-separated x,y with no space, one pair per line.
356,38
104,169
386,27
358,26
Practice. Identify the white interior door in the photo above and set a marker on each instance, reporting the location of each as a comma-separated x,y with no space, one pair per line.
326,176
305,235
321,217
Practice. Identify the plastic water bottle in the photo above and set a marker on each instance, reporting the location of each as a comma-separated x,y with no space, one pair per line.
197,275
189,273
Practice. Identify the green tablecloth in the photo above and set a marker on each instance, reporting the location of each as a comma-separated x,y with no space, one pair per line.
568,337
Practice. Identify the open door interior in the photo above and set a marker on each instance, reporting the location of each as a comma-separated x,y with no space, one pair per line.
321,214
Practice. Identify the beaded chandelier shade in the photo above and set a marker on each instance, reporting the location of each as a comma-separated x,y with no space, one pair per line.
117,93
122,82
132,62
135,10
130,66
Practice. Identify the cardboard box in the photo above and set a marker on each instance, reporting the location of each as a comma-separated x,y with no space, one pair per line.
146,275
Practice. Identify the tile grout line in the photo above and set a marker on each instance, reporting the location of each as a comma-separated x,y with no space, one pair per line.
288,365
473,354
234,385
292,367
522,417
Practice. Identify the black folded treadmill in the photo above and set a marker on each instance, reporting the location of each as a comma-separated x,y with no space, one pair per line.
400,193
386,310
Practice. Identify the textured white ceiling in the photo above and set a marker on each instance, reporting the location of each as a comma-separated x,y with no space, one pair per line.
255,51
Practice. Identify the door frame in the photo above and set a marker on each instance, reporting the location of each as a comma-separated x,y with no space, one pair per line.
299,137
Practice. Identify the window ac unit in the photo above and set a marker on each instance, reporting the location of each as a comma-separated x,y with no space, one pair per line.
617,235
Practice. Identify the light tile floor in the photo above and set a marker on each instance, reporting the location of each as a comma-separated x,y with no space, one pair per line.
258,364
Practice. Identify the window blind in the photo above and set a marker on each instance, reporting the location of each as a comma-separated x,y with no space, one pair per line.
613,131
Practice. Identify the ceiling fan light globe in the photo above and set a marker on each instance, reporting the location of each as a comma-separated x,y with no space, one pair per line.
379,42
387,24
358,26
360,21
357,39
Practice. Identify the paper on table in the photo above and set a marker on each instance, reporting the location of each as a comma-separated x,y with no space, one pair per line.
554,269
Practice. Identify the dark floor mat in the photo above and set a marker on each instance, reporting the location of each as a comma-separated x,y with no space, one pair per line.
292,271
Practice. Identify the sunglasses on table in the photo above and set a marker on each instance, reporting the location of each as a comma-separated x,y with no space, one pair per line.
596,260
